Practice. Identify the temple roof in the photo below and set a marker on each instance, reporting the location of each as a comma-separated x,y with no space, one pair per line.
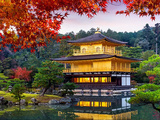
91,57
96,37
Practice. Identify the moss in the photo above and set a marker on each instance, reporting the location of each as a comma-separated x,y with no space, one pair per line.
42,99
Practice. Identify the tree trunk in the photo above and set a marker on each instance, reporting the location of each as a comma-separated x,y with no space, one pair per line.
155,107
44,90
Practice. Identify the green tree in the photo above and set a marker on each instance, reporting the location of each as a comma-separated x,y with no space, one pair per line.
91,31
132,52
1,67
81,34
143,43
147,94
7,63
18,91
9,73
147,54
27,59
49,74
151,68
65,49
3,80
140,77
47,52
149,35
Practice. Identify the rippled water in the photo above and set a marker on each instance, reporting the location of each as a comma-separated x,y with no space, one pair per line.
89,108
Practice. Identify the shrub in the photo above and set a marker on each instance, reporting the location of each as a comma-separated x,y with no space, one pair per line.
68,88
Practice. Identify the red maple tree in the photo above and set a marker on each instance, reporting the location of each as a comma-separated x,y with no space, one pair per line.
141,8
22,73
36,21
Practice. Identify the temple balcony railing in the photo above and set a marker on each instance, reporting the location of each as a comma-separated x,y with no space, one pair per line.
105,50
74,70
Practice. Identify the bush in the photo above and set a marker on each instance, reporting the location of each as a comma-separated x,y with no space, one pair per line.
17,92
9,73
68,89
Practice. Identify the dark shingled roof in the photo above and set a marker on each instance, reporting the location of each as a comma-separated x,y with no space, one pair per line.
90,57
96,37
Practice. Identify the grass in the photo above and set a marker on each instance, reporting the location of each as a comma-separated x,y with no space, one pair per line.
41,99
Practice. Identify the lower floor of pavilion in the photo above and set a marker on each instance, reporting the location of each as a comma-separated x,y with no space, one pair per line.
111,80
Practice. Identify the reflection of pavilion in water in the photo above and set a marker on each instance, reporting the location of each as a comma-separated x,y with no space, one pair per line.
102,108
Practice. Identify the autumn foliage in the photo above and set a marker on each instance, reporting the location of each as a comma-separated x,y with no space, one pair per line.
36,21
22,73
151,78
141,8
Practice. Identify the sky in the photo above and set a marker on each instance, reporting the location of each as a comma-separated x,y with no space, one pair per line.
105,21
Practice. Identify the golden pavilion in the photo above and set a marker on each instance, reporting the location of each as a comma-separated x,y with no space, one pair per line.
97,64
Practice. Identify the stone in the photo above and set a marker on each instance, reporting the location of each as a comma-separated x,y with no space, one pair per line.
16,103
33,100
1,98
75,99
60,106
10,103
53,102
10,88
27,92
23,102
3,101
43,103
65,100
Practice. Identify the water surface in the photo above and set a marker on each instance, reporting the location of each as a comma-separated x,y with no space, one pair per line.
89,108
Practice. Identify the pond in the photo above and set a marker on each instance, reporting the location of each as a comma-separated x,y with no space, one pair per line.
89,108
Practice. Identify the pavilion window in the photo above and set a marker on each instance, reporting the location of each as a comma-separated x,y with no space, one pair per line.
104,79
75,80
96,104
123,65
118,66
109,79
84,50
85,80
93,104
84,103
127,66
113,65
112,49
98,49
105,104
92,79
96,79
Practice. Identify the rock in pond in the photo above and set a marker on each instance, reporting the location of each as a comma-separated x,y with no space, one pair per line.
3,101
75,99
60,106
43,104
53,102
